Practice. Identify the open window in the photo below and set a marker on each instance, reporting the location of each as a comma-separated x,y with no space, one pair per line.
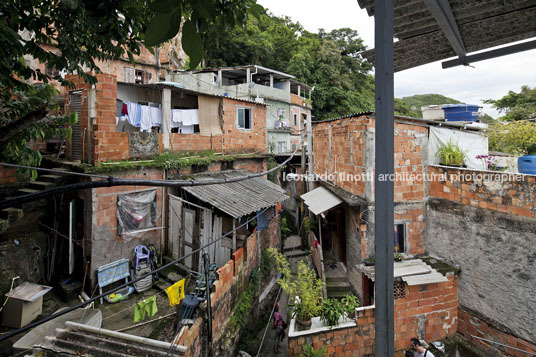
244,118
400,238
136,211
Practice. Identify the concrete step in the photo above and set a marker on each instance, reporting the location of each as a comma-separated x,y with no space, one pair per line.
51,178
295,253
338,294
338,285
335,279
26,191
42,185
291,247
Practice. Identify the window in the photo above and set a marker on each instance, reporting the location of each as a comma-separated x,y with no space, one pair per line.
281,146
244,118
136,211
295,119
137,76
400,238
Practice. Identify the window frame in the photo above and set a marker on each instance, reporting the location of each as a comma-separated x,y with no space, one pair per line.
153,213
244,109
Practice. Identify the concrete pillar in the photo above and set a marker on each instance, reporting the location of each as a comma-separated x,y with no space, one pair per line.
220,78
166,117
299,91
248,75
271,80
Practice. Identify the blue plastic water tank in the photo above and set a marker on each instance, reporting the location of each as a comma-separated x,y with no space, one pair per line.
461,112
527,164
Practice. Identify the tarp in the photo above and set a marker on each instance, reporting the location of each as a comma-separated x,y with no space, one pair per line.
471,143
136,211
209,117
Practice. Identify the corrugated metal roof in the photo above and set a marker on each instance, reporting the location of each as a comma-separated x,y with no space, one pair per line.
238,199
320,200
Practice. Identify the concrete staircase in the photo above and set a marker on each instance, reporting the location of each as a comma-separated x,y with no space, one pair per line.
292,248
11,215
337,284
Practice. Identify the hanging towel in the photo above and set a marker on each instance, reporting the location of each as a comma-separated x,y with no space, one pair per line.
175,293
137,118
186,129
145,120
145,306
176,116
190,117
156,116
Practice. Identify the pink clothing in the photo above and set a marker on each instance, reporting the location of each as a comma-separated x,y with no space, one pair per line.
278,319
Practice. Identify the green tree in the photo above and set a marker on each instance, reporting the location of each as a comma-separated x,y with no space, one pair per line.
328,61
82,33
518,138
516,106
415,102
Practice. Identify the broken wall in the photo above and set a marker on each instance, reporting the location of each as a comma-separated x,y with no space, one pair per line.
487,227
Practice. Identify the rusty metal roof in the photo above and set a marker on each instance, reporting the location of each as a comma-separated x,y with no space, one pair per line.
431,30
240,198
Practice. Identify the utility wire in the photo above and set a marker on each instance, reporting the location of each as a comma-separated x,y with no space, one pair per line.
51,317
114,181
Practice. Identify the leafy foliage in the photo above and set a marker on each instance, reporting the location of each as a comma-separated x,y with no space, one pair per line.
415,102
21,104
240,312
309,351
450,154
332,311
517,106
350,303
330,61
73,36
518,137
304,284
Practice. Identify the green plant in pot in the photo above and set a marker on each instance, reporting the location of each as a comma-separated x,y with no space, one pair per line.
451,154
350,303
304,284
332,311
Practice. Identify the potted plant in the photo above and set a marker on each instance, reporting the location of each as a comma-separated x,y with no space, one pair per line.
304,284
370,260
450,154
332,311
398,257
350,303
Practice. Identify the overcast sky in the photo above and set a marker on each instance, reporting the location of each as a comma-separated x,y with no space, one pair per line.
490,79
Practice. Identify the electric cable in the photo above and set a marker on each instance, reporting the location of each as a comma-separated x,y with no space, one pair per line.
114,181
51,317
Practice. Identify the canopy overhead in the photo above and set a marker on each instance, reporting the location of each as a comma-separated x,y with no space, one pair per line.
320,200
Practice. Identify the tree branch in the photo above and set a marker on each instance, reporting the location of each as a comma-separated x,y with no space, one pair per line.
10,130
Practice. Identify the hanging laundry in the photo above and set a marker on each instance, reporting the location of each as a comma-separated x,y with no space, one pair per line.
145,119
145,306
156,116
186,129
190,117
175,293
137,118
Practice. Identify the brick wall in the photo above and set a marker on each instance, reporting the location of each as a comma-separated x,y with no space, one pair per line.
428,311
487,228
106,245
515,195
352,341
232,281
7,175
470,325
239,140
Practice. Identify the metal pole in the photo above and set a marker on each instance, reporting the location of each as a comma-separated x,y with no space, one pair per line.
383,192
209,313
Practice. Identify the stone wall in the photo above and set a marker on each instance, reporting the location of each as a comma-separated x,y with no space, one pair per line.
428,311
487,227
